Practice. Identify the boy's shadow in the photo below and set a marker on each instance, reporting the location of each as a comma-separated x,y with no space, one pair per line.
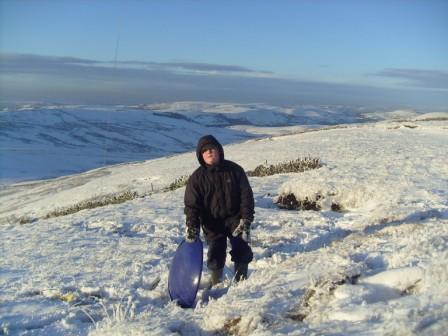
214,294
207,292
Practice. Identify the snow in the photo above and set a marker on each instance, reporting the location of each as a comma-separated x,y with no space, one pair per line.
377,267
34,137
433,116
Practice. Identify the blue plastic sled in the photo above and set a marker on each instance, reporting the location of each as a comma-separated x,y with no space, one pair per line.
185,273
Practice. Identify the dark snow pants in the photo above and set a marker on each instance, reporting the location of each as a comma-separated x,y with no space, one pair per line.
217,250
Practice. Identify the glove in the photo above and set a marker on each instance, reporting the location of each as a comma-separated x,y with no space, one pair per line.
243,229
192,233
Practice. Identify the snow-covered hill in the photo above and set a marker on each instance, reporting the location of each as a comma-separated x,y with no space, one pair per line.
46,141
378,267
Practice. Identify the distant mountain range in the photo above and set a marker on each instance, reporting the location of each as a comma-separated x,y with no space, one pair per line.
39,141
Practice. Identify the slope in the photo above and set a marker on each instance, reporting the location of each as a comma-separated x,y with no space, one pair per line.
378,266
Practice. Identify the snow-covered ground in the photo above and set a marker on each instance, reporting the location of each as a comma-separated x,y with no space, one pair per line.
45,141
379,267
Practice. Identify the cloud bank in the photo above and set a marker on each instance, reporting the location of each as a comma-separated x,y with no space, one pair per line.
432,79
83,81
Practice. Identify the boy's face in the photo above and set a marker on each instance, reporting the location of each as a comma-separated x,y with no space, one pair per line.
211,156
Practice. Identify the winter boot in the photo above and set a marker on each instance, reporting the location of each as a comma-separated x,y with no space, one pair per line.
240,271
216,276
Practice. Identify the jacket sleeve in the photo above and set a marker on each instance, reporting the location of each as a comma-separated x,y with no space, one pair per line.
193,203
247,198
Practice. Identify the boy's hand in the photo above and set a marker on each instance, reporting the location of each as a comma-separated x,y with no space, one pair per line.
191,234
243,229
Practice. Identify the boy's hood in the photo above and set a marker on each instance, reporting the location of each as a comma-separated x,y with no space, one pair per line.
208,140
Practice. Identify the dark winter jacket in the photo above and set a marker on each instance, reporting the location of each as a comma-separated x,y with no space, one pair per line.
217,197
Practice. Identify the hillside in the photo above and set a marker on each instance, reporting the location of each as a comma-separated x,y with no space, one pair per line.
47,141
376,266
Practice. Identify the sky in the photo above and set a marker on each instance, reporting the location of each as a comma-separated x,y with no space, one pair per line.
382,53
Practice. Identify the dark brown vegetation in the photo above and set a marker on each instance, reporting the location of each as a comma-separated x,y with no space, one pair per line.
290,202
295,166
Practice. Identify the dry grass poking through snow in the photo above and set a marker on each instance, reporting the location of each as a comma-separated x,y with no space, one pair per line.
178,183
91,204
290,202
295,166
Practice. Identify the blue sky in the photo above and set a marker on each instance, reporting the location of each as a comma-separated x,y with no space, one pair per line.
331,52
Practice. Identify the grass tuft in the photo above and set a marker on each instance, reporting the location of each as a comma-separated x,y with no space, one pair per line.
178,183
94,203
290,202
231,326
317,292
295,166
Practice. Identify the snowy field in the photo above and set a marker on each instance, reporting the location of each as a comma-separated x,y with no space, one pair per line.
46,141
378,267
